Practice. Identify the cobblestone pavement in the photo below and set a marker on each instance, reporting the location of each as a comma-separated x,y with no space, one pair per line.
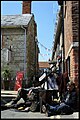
12,113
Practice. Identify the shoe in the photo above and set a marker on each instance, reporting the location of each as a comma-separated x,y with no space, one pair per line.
43,108
26,109
10,104
20,108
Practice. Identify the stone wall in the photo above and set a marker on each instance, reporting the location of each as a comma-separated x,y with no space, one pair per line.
31,53
15,37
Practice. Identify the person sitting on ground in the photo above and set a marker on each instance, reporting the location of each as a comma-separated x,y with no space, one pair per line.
68,103
24,92
29,96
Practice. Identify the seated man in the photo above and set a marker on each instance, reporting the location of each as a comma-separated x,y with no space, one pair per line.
24,93
29,95
68,104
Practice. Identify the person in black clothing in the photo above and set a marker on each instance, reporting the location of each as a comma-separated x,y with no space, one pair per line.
68,103
26,93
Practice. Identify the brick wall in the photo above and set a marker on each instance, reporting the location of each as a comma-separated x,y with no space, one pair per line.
75,20
74,71
26,8
68,27
71,34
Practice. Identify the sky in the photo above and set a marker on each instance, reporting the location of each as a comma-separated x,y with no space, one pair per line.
45,14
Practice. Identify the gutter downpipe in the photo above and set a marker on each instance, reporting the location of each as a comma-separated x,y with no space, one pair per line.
36,40
25,54
63,53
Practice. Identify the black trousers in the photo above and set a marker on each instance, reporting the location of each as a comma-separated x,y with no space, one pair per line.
22,93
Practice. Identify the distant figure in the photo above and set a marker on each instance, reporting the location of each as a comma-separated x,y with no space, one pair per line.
52,84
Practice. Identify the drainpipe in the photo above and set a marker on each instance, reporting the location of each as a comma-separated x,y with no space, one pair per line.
63,52
36,40
25,54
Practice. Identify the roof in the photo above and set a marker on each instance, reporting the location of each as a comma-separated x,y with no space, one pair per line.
44,65
15,20
58,31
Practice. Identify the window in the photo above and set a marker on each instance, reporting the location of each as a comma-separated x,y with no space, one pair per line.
68,65
8,55
64,8
2,42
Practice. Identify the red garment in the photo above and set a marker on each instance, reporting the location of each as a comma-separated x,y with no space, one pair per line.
19,79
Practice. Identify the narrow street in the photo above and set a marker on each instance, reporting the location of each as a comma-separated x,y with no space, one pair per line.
39,60
15,114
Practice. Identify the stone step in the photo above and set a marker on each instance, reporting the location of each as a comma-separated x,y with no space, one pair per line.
5,100
9,92
7,96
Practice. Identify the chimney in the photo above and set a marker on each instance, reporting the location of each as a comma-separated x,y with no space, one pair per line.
26,8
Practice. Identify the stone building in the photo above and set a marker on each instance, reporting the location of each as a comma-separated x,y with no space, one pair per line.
67,39
19,48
